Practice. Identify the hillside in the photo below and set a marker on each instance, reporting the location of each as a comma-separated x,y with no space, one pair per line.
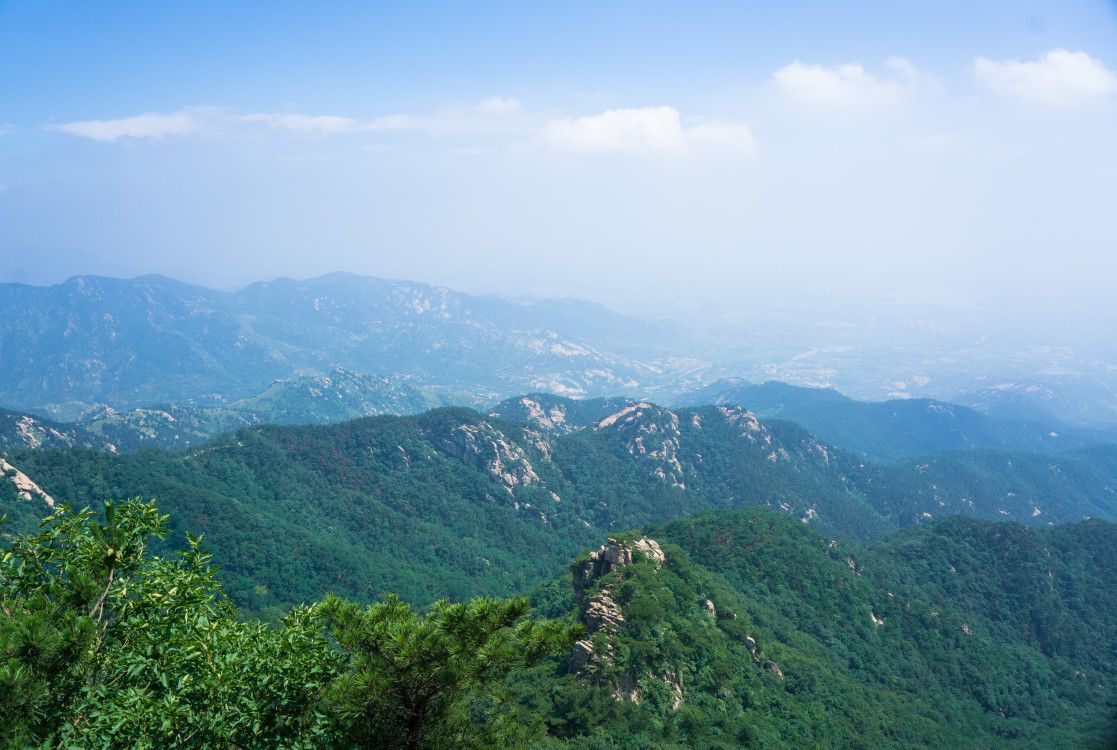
747,629
302,399
19,430
151,340
453,503
898,428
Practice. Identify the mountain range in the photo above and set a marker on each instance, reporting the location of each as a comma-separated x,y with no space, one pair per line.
898,428
453,502
128,343
762,565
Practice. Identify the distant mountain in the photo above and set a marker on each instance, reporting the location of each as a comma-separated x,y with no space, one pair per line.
29,431
303,399
746,629
453,503
1089,404
131,342
899,428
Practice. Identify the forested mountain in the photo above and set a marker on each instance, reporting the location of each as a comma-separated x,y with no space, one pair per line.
454,503
898,428
149,340
30,431
302,399
748,629
731,629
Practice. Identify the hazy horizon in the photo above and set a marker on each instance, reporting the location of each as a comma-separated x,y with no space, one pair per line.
720,156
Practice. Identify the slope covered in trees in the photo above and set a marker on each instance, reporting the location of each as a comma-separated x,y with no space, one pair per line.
747,629
452,503
727,630
105,645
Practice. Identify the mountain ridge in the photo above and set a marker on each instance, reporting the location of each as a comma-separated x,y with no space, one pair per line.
506,502
151,339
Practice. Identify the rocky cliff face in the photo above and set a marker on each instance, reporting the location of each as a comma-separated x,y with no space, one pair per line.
652,434
602,616
597,656
484,446
610,557
25,488
28,431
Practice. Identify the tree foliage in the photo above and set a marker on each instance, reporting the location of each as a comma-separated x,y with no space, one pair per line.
104,645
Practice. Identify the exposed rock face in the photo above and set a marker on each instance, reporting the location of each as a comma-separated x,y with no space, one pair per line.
611,556
602,615
27,431
25,488
552,419
759,659
746,423
628,413
487,448
581,654
652,433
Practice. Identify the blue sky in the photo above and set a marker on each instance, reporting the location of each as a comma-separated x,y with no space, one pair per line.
629,152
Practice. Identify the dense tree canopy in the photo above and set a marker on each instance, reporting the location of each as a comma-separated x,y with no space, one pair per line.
104,645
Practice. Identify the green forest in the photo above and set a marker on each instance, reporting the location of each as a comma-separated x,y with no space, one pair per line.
746,629
451,503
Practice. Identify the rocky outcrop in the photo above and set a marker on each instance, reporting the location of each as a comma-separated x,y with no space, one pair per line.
746,423
651,433
611,556
602,614
547,419
25,488
760,660
490,450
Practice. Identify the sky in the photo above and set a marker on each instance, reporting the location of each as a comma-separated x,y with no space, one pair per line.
721,155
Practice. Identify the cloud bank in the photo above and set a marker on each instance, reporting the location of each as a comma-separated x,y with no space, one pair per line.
847,86
149,125
643,130
1060,77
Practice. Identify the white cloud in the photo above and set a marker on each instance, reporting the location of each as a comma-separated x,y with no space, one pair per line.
148,125
635,130
497,105
643,129
847,86
1059,77
304,124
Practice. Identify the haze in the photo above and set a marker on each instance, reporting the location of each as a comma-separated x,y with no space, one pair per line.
715,156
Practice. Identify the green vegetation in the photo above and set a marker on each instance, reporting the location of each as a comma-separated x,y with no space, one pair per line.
752,630
452,504
103,645
757,631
